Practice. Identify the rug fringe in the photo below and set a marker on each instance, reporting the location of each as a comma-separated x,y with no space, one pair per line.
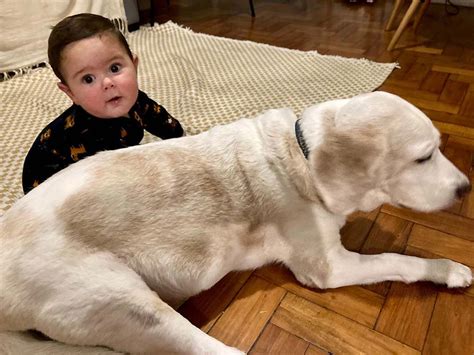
8,75
121,24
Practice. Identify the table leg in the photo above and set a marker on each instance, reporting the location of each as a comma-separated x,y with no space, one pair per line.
406,19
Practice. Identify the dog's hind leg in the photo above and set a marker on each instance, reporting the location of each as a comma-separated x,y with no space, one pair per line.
95,299
349,268
14,343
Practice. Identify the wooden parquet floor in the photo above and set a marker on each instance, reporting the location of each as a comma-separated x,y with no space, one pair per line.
267,311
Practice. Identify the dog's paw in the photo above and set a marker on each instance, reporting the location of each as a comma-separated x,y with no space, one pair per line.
458,275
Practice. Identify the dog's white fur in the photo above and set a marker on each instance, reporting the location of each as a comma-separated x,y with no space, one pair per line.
101,252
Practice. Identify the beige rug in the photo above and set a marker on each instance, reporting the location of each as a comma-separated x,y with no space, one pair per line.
202,80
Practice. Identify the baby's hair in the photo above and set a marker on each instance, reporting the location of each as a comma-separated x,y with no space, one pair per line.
75,28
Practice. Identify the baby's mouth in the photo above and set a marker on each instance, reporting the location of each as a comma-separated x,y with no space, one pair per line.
114,99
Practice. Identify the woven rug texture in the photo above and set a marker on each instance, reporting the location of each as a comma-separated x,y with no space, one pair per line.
202,80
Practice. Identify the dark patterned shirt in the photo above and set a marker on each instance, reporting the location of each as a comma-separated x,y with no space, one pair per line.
75,134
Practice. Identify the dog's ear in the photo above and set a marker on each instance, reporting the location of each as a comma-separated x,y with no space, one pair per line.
348,168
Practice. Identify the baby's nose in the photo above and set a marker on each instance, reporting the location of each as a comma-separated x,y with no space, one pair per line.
108,83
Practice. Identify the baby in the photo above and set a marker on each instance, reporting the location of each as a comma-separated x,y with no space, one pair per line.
98,72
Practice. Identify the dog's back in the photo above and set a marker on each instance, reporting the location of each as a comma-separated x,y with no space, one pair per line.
106,224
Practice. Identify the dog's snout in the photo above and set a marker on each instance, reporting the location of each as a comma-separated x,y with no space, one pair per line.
463,190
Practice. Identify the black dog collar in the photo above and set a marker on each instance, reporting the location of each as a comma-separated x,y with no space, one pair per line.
300,139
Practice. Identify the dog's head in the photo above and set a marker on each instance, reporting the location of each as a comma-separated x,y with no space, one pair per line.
378,148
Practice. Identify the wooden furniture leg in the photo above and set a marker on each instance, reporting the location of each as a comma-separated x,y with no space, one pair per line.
152,13
393,15
252,9
406,19
420,14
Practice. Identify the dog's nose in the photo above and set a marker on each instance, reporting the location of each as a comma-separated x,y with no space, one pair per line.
463,190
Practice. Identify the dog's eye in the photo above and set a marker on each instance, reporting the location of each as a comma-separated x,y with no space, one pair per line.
422,160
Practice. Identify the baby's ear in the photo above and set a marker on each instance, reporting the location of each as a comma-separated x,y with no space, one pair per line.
64,88
135,60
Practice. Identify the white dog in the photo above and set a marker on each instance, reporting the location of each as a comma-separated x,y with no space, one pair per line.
101,252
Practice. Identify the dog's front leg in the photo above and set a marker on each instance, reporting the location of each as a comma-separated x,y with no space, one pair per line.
349,268
317,258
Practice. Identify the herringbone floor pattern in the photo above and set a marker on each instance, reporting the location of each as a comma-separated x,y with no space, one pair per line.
267,311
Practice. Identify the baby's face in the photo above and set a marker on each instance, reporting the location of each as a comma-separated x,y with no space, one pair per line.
100,76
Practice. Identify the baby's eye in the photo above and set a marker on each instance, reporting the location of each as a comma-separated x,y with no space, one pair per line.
115,68
88,79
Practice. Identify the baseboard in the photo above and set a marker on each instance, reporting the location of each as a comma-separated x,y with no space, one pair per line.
468,3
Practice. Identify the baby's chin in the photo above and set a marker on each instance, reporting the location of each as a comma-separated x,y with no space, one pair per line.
111,112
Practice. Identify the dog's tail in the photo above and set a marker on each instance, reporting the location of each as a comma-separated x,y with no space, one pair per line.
14,343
